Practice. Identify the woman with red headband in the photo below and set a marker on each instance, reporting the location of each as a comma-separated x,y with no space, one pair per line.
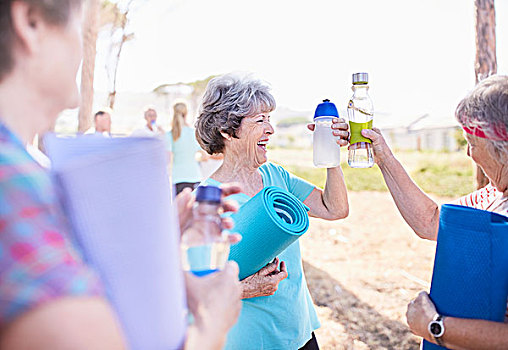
483,115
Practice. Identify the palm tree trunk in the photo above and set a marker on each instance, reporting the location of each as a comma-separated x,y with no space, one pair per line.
486,62
90,29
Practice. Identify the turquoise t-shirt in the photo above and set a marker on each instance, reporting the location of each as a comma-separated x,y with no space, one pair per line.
185,167
286,319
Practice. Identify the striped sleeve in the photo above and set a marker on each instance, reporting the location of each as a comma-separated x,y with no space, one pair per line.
479,199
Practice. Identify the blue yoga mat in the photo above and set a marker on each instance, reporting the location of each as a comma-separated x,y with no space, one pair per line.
269,222
470,278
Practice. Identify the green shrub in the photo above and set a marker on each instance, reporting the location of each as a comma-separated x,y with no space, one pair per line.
356,179
445,179
448,174
459,138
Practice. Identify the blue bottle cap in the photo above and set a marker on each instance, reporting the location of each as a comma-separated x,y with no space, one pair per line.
208,194
327,109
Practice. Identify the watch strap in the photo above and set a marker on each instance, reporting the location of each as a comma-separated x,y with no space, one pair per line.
440,320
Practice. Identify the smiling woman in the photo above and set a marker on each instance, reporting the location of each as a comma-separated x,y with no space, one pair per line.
277,312
483,116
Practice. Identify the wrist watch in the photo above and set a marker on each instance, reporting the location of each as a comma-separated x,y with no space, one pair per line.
437,329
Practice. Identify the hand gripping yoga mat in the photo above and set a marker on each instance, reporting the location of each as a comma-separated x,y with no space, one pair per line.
269,222
470,278
116,195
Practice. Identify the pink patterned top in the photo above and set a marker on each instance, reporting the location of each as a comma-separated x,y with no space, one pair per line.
482,198
37,261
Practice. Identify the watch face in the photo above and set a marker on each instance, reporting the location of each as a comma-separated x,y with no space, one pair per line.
435,329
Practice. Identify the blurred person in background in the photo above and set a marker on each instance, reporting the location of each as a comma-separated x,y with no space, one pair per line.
49,299
184,151
151,128
102,121
483,116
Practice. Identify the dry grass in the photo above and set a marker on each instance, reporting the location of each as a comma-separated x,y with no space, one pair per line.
363,271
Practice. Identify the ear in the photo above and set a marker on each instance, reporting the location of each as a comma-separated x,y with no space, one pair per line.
27,25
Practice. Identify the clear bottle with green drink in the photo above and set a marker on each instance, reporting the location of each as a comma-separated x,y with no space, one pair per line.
360,112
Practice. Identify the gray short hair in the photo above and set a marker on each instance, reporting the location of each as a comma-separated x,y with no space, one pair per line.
486,107
227,100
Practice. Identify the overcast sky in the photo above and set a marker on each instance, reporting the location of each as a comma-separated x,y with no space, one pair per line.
419,54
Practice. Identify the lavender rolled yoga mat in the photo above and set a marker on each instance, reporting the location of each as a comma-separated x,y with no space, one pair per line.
117,197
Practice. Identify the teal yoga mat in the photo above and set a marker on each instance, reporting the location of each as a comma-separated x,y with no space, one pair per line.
470,278
269,222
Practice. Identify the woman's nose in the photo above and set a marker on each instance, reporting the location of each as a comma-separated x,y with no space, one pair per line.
269,129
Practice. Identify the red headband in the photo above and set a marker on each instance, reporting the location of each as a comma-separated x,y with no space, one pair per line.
499,133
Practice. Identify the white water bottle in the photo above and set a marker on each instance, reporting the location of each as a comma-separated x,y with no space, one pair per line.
154,126
326,149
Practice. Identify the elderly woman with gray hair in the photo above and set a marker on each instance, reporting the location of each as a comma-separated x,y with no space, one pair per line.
235,121
483,115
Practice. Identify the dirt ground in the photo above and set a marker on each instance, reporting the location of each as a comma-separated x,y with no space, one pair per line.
363,271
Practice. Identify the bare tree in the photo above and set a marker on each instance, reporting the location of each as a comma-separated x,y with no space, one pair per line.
117,15
90,29
486,62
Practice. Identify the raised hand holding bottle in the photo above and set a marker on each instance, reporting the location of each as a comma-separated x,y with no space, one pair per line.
360,112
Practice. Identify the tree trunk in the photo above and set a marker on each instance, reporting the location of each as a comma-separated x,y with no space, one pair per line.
486,62
123,19
90,29
111,99
112,94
